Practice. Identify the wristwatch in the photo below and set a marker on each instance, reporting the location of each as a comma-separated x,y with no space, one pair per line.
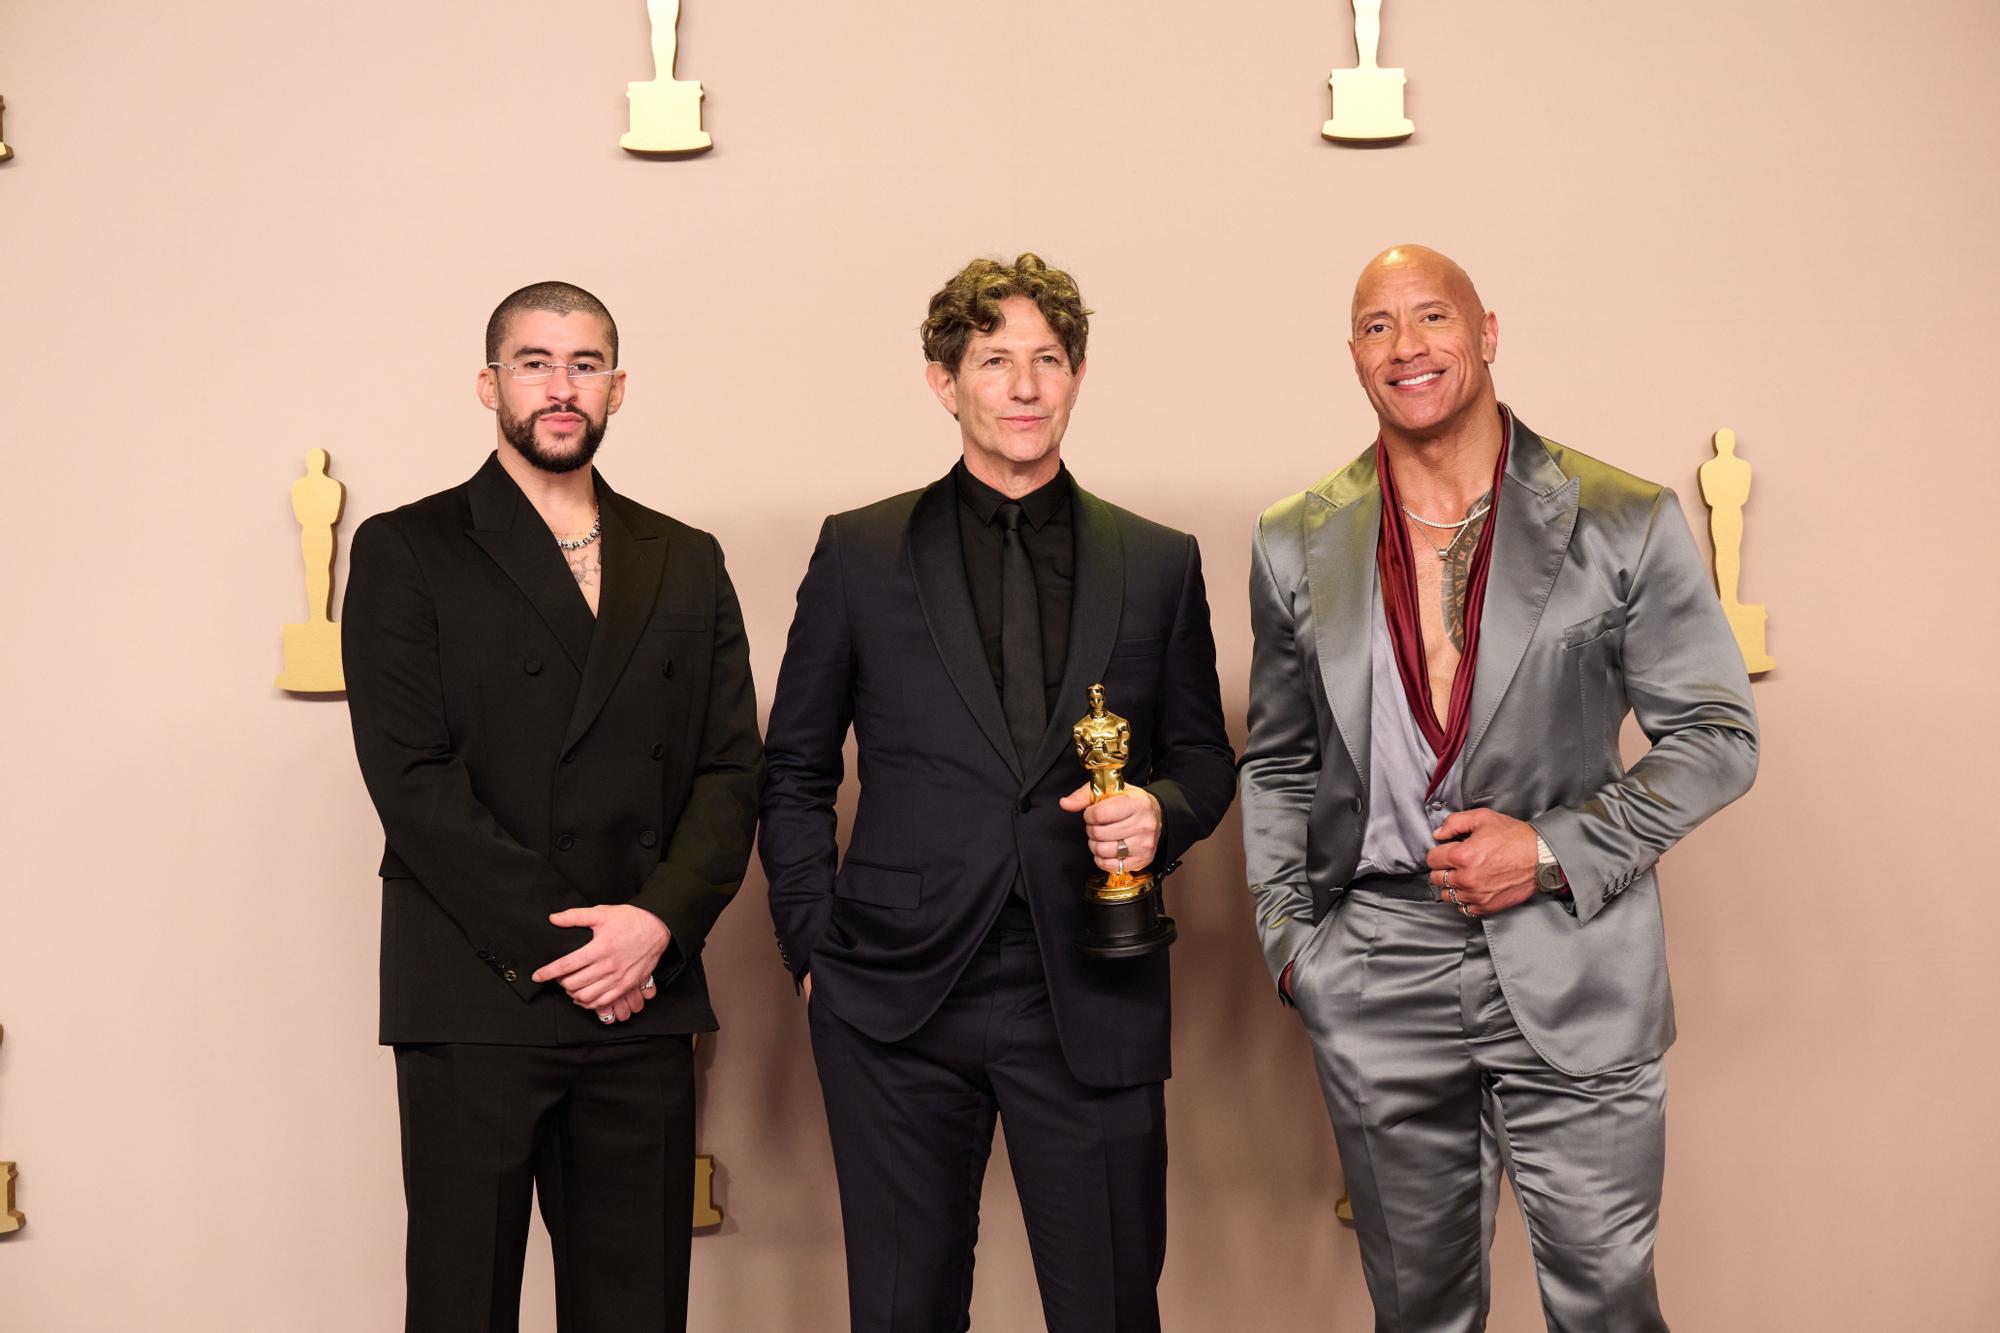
1549,877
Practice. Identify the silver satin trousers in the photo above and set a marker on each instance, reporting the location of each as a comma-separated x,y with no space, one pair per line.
1414,1039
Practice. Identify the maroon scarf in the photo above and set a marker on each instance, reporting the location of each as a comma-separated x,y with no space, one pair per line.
1406,626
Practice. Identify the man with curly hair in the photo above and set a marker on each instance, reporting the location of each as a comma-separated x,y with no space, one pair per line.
958,629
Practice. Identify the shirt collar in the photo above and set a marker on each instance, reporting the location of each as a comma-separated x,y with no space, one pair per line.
1038,506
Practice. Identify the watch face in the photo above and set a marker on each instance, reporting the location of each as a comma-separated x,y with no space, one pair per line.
1548,878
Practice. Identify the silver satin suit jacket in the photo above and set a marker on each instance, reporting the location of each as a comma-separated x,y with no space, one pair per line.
1597,605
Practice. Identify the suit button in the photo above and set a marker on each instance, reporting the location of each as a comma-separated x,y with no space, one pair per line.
508,975
565,842
658,750
570,758
1357,805
1025,805
667,668
532,665
649,839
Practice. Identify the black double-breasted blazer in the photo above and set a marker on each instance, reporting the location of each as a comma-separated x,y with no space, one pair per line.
885,640
526,756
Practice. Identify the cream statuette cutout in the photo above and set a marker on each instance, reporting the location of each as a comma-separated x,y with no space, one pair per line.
1367,100
666,112
1725,484
312,650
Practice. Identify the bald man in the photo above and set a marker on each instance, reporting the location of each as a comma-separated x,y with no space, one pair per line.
1452,868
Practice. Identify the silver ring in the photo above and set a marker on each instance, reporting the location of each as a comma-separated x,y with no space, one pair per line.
1447,879
604,1018
649,983
1121,865
1123,850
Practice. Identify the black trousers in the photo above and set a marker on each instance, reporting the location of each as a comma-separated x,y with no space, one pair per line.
912,1125
604,1134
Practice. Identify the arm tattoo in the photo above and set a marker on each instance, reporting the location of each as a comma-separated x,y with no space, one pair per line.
1458,574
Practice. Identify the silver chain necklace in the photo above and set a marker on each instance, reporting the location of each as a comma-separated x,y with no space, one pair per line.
1457,529
578,543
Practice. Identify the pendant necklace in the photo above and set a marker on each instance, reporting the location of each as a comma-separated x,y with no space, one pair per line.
1457,529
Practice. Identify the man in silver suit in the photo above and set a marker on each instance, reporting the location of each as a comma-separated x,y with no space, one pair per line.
1453,870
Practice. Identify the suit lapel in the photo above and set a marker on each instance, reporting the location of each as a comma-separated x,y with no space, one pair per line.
1340,543
1096,604
1537,516
937,562
635,555
507,528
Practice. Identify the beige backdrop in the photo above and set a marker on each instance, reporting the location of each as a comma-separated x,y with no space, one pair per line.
235,231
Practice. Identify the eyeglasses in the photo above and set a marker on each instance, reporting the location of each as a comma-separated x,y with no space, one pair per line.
582,374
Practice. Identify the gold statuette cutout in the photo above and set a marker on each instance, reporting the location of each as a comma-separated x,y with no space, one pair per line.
1725,484
1367,100
666,112
312,650
11,1218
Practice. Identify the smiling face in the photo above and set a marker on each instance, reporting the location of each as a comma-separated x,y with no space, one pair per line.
1012,394
1422,344
556,425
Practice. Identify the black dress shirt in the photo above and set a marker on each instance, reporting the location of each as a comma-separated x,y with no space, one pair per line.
1049,535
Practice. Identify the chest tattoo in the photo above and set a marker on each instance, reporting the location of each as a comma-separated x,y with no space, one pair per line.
1457,574
582,566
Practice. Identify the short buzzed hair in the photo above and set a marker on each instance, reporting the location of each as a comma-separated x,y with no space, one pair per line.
558,298
970,303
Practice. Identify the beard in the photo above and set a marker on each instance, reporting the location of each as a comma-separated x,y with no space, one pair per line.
520,432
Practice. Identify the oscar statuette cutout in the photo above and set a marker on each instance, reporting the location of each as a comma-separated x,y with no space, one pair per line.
666,112
1121,908
11,1218
1367,100
312,647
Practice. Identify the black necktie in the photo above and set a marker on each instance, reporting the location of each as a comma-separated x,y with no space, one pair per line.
1022,693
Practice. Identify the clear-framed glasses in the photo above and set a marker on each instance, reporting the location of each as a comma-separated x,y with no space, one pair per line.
584,375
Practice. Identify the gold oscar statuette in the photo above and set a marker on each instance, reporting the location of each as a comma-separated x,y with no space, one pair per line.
666,112
1725,484
1121,908
11,1218
5,151
1367,100
312,649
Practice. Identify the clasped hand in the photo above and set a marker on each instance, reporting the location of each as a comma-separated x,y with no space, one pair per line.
610,974
1131,817
1486,859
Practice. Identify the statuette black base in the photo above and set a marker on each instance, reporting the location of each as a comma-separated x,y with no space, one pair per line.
1129,929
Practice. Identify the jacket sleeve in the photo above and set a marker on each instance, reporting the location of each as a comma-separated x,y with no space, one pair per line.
810,714
1685,678
499,892
1280,771
710,847
1193,772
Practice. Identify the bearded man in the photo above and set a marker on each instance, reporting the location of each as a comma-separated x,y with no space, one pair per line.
553,711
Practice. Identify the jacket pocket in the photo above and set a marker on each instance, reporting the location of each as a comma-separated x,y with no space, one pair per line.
1588,631
878,886
678,620
1149,647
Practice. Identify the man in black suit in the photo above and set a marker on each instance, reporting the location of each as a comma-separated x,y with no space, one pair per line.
958,629
554,715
